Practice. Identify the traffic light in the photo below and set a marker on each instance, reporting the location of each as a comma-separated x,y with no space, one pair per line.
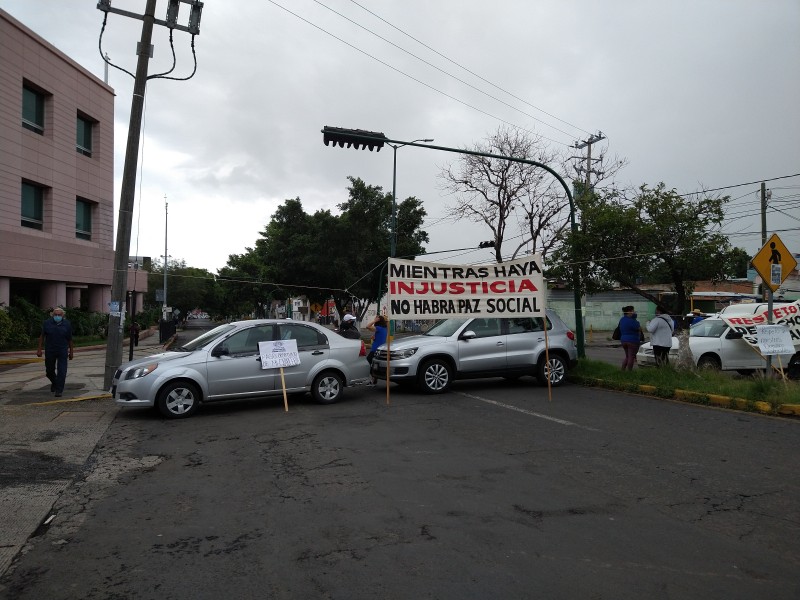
357,138
489,244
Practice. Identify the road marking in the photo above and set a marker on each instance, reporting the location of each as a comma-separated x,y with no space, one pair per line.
528,412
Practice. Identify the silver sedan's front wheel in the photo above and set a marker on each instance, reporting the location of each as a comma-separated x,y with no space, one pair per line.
435,376
178,400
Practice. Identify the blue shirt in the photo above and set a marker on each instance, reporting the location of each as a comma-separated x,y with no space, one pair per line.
629,329
381,334
56,335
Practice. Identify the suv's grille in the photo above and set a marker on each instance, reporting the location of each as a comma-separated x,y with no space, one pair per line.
381,354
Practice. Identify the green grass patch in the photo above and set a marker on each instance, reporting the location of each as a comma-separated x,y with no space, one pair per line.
665,381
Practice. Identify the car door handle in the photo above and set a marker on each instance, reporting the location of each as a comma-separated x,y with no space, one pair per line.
500,344
317,352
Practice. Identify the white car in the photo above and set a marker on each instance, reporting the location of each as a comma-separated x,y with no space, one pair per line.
714,345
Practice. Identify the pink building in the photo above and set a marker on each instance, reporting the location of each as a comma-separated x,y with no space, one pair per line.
56,176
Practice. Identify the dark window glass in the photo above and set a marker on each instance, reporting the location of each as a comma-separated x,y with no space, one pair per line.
84,139
83,220
32,206
306,337
32,110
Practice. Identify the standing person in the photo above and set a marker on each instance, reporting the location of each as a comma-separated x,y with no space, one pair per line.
348,328
57,339
697,316
630,335
380,330
661,328
135,329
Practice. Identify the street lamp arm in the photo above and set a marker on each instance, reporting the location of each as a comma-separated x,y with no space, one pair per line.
369,138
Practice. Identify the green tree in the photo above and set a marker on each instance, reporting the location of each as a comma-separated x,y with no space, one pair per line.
323,255
658,237
187,287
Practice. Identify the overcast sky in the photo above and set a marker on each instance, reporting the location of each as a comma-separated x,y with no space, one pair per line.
694,93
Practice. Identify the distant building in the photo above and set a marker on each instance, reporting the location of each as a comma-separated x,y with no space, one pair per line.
56,176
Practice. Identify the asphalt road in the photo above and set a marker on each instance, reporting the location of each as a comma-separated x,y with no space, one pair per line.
490,491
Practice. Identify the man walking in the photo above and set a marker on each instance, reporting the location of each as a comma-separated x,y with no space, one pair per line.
57,339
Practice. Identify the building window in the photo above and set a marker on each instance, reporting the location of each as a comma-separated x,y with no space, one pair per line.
33,109
83,219
84,139
32,206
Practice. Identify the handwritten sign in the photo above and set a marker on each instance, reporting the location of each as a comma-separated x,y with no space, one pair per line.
774,339
278,354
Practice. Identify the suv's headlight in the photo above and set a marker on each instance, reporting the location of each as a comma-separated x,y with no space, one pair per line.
404,353
141,371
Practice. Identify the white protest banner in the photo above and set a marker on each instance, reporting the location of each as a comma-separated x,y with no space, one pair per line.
774,339
782,314
423,290
278,354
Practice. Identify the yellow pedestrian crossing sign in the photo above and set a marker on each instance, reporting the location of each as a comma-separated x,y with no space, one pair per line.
774,262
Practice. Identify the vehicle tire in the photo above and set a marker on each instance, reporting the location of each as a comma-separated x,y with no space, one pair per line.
557,370
709,363
327,387
435,376
793,370
178,399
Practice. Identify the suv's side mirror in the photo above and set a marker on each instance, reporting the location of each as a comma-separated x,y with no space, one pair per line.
734,335
468,335
221,350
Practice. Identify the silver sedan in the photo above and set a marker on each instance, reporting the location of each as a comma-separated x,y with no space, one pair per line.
224,364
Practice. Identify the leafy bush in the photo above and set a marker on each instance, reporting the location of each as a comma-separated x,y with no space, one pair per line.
12,334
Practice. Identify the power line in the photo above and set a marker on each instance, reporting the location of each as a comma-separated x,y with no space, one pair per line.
465,68
728,187
419,81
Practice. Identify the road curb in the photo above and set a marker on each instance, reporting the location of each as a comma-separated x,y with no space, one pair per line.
702,398
68,400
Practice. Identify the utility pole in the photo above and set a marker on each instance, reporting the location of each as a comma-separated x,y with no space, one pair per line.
119,282
593,139
166,256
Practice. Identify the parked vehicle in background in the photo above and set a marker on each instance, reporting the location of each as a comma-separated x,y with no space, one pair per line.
225,364
471,348
714,345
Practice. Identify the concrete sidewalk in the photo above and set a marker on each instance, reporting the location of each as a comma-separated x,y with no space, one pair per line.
46,441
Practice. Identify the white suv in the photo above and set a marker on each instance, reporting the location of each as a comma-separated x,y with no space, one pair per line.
714,345
471,348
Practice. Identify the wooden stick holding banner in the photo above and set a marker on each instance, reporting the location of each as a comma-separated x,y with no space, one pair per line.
388,356
277,355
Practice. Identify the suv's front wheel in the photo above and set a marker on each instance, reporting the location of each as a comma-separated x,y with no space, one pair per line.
435,376
555,369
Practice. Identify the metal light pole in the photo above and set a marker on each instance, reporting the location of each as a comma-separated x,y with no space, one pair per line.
369,139
393,234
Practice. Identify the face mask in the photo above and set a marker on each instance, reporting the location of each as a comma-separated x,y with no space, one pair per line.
57,318
634,315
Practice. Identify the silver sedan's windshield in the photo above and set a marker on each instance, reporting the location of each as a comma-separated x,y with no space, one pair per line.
445,328
208,336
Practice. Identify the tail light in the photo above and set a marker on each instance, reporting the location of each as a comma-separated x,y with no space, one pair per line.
363,351
570,335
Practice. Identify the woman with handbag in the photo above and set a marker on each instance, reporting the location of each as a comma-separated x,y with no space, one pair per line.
631,336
